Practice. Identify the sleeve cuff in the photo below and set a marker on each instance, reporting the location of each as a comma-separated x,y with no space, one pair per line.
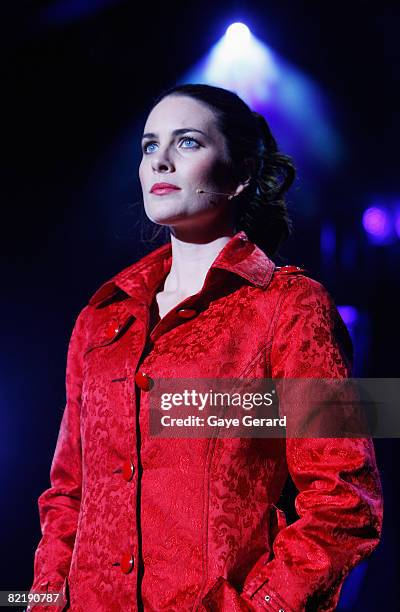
47,587
266,598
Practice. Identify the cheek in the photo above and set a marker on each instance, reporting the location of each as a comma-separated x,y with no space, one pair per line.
215,173
141,171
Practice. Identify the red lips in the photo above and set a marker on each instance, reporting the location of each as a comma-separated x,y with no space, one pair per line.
163,187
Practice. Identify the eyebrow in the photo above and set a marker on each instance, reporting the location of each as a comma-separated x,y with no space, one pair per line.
174,133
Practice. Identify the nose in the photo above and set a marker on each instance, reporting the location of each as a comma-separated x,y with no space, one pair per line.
161,162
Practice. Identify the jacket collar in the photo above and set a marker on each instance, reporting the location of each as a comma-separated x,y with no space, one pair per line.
140,280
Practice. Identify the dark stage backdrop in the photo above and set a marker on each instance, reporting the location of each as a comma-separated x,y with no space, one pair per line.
77,79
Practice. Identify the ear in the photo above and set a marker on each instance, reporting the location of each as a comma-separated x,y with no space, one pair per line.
248,173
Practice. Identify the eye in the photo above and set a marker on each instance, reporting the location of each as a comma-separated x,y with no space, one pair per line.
145,145
189,139
151,143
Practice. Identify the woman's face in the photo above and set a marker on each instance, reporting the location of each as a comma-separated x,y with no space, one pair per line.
183,146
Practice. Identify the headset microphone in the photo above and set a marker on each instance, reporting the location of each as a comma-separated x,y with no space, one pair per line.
230,195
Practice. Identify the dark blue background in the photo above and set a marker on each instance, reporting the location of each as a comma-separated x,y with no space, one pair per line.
76,84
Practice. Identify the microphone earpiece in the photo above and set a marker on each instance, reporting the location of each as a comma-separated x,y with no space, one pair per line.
230,195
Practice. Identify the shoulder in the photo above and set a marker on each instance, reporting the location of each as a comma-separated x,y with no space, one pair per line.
296,285
307,307
303,300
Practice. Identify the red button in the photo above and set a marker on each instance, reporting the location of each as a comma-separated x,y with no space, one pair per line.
112,330
126,563
143,381
187,313
127,470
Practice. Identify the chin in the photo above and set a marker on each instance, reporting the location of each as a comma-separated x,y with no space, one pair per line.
166,216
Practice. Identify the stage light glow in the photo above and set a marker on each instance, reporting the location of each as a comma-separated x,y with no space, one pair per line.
240,62
293,104
328,240
377,223
349,315
238,33
397,222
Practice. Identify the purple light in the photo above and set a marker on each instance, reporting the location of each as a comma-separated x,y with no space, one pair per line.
397,221
349,314
377,223
328,239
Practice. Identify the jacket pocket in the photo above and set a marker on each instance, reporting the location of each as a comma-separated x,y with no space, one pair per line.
223,597
278,521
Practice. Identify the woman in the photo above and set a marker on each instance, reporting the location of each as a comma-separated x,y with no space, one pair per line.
138,522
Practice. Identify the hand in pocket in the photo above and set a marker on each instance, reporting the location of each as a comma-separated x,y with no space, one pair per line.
223,597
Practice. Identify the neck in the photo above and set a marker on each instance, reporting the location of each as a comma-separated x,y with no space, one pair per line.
190,264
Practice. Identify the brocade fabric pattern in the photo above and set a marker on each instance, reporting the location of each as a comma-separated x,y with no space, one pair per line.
201,516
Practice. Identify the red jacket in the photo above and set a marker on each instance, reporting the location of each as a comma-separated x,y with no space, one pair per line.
132,521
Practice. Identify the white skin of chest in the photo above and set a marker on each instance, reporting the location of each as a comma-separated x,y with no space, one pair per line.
190,264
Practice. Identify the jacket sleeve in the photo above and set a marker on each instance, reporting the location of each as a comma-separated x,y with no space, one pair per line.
339,500
59,505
